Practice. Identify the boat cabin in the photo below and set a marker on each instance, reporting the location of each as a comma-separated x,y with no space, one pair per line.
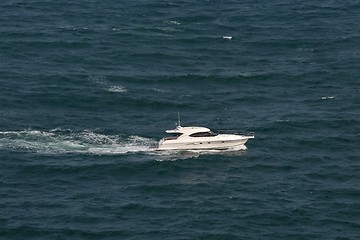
190,132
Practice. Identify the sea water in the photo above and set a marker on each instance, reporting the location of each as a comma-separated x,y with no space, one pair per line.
86,87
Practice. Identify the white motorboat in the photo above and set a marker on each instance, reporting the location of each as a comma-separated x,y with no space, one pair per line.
201,138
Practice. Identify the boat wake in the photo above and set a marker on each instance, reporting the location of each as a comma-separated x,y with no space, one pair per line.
60,141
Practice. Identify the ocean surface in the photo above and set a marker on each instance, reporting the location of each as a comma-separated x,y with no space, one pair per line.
87,86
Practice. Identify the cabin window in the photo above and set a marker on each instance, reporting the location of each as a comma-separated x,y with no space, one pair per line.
173,137
203,134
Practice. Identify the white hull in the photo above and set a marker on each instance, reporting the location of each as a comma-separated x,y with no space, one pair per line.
219,142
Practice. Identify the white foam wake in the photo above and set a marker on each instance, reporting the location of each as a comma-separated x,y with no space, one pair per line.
65,141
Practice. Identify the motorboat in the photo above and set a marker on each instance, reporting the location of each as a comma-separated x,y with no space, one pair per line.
201,138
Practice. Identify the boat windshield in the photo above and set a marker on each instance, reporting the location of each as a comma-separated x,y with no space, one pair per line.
203,134
173,137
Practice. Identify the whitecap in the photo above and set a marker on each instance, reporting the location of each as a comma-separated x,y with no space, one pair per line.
325,97
175,22
117,89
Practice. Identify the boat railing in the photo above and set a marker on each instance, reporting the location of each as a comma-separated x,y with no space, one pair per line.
169,138
244,133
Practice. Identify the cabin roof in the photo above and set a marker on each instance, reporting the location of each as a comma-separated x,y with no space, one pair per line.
188,130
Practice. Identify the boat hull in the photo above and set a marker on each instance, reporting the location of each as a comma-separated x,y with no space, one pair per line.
221,143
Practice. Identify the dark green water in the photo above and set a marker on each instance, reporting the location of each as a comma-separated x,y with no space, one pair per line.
86,87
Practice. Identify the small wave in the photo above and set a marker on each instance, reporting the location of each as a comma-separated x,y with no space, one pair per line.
168,29
102,81
158,90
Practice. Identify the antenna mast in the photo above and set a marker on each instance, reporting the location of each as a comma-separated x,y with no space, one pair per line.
179,119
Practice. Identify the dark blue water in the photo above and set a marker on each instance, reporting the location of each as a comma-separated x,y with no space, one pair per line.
86,87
